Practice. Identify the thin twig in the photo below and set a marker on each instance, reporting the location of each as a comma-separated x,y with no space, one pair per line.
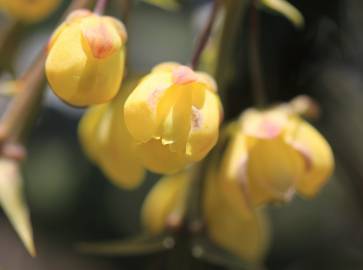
205,34
126,6
10,39
258,86
21,105
100,7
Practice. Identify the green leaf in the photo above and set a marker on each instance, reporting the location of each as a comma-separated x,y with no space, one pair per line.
142,245
286,9
165,4
205,250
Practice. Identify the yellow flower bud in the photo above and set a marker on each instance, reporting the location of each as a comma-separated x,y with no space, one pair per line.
107,142
29,11
85,61
274,154
227,225
174,115
165,204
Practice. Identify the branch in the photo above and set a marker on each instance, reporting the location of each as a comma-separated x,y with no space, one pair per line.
255,61
205,34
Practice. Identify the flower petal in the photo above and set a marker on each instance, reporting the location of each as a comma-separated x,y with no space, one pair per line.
246,237
274,168
204,128
233,175
117,149
165,200
87,130
159,159
317,151
264,124
177,124
141,106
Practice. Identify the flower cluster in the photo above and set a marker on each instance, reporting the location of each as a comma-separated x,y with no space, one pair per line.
270,155
169,120
166,122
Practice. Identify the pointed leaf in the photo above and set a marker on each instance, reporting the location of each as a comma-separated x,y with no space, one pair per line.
13,203
207,251
165,4
286,9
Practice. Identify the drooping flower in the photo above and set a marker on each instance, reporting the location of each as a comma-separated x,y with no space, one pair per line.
165,204
107,142
229,227
29,11
85,61
273,155
174,115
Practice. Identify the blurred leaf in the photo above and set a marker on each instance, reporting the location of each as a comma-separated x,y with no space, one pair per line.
142,245
165,4
205,250
286,9
13,203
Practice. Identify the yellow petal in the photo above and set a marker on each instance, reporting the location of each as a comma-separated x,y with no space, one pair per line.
274,168
207,80
159,159
317,154
164,110
77,15
141,106
228,227
87,130
165,203
165,67
177,124
232,175
100,36
119,27
117,149
13,202
204,127
264,124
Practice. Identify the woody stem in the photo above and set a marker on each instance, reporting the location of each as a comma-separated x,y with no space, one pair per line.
100,7
205,34
126,6
254,56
